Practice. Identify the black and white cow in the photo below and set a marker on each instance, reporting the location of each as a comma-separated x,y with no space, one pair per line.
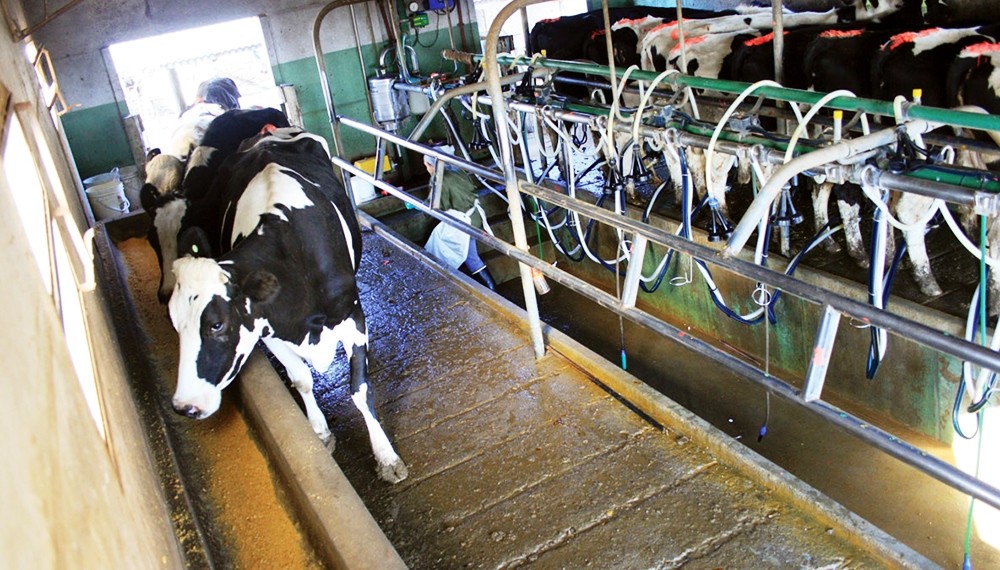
197,203
223,137
288,281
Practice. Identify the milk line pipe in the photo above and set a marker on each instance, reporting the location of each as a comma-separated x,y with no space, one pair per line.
865,432
469,166
947,191
450,94
761,204
931,138
492,72
951,187
950,117
400,50
324,82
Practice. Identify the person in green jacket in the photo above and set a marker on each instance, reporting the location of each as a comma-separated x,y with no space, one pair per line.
458,193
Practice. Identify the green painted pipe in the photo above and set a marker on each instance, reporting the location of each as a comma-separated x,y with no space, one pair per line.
871,106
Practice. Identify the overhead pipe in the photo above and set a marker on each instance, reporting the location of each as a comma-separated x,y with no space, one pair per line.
761,204
469,89
491,70
400,52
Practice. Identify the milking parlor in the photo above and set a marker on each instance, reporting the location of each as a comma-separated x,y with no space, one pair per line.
500,283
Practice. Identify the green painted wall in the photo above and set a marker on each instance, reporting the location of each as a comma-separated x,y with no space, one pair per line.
97,138
349,85
915,385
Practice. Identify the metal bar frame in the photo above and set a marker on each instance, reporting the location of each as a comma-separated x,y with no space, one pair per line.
834,305
867,433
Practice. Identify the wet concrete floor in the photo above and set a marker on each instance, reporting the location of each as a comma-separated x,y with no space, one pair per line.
522,462
925,514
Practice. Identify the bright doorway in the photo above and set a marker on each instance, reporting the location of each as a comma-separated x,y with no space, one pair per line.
159,75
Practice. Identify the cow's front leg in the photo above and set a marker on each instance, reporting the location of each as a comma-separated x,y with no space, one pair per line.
302,380
390,466
821,213
909,209
849,205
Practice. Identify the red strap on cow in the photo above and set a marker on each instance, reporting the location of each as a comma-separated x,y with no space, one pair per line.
761,40
688,42
840,34
980,49
908,38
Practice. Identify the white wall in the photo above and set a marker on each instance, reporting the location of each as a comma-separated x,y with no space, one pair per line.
70,499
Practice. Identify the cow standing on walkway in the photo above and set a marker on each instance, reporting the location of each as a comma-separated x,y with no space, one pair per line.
288,280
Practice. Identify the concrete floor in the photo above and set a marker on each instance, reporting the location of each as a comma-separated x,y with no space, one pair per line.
513,461
516,461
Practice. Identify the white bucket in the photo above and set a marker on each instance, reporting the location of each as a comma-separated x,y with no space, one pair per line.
132,181
98,179
363,190
106,195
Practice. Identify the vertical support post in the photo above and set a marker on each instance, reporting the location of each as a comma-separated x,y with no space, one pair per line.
136,143
524,29
826,334
630,290
292,109
778,27
324,82
492,72
361,60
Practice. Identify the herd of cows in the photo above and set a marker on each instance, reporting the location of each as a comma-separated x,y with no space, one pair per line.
878,50
258,240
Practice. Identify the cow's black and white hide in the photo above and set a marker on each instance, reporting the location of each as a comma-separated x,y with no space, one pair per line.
164,172
190,129
223,137
288,281
198,202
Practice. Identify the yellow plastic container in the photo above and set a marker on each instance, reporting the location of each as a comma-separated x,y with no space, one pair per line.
368,164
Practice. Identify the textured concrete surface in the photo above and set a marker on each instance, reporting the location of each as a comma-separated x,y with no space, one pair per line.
517,462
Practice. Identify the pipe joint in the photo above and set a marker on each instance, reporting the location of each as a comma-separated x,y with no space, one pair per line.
986,203
870,176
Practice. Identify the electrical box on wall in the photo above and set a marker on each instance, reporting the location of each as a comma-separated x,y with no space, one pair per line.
440,4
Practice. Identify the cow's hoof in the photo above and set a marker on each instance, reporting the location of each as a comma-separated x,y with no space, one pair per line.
394,472
930,289
832,246
861,261
329,441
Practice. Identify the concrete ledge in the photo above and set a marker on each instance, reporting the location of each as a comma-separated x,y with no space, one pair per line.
332,514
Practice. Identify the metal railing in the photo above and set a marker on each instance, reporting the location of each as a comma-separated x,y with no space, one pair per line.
833,306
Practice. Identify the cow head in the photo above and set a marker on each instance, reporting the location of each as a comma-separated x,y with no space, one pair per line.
216,315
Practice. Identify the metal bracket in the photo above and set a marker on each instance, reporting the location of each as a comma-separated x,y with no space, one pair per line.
826,334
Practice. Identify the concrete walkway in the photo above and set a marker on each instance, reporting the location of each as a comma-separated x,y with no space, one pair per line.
516,461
